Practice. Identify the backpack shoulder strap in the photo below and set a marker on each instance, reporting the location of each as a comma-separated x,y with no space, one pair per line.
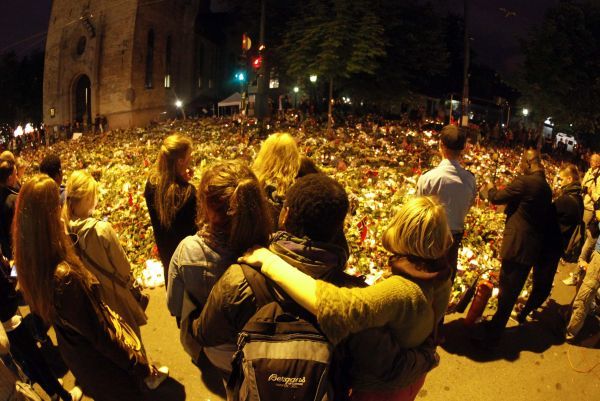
259,285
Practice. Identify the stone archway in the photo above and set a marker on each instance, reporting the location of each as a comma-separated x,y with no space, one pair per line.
82,101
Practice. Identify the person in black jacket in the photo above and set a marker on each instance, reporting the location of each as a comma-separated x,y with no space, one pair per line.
531,228
568,208
170,198
569,203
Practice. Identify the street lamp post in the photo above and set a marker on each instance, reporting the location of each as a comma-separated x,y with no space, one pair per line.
296,89
313,79
179,105
525,114
465,95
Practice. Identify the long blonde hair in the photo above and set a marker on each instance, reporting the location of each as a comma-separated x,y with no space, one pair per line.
420,228
277,162
170,195
232,201
81,191
40,245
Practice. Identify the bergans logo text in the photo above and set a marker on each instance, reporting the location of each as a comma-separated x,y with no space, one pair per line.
282,381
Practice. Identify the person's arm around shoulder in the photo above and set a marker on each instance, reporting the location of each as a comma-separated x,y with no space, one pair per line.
340,311
300,286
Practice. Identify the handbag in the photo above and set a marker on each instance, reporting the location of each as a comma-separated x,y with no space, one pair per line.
114,326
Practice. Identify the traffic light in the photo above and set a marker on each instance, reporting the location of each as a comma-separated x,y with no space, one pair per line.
257,62
240,77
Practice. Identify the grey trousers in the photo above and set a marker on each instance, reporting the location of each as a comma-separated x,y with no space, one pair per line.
585,296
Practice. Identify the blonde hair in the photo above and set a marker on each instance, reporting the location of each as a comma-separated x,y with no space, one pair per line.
41,247
8,156
170,196
81,191
277,162
420,229
232,201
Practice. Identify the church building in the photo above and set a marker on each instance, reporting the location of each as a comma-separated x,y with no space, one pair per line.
132,60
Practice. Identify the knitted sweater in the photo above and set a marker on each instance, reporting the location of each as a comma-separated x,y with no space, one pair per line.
397,302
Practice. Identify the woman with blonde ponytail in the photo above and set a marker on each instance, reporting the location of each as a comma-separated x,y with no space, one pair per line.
233,215
99,248
170,198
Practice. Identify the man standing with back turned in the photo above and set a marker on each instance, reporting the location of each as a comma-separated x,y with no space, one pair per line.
454,185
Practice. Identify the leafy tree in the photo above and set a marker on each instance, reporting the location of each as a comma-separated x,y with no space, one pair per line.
333,39
415,48
561,72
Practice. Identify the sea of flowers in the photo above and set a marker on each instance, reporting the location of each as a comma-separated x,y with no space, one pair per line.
378,165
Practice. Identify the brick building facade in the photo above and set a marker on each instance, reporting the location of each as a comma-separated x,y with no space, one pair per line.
130,60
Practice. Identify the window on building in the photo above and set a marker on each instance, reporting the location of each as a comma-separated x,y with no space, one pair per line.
168,62
199,61
150,60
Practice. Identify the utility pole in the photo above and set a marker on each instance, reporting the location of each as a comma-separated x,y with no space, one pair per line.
465,95
260,105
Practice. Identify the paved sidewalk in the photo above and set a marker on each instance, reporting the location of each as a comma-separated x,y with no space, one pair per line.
531,364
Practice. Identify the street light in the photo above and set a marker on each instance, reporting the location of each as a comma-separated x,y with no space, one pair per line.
179,105
313,80
525,112
296,89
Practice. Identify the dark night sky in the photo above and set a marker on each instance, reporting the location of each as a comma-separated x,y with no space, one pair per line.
22,21
494,34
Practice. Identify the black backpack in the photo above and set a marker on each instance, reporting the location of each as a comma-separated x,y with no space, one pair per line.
282,355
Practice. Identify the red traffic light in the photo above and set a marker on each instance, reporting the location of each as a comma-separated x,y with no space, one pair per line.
257,62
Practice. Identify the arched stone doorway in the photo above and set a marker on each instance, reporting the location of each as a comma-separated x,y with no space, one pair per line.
82,101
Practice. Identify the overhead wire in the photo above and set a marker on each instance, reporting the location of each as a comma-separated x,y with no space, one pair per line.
43,34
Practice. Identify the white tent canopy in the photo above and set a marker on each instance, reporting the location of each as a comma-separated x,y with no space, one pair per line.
234,100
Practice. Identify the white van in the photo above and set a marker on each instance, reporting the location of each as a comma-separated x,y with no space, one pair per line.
568,139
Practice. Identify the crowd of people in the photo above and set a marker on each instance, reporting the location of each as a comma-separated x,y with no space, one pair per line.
285,217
